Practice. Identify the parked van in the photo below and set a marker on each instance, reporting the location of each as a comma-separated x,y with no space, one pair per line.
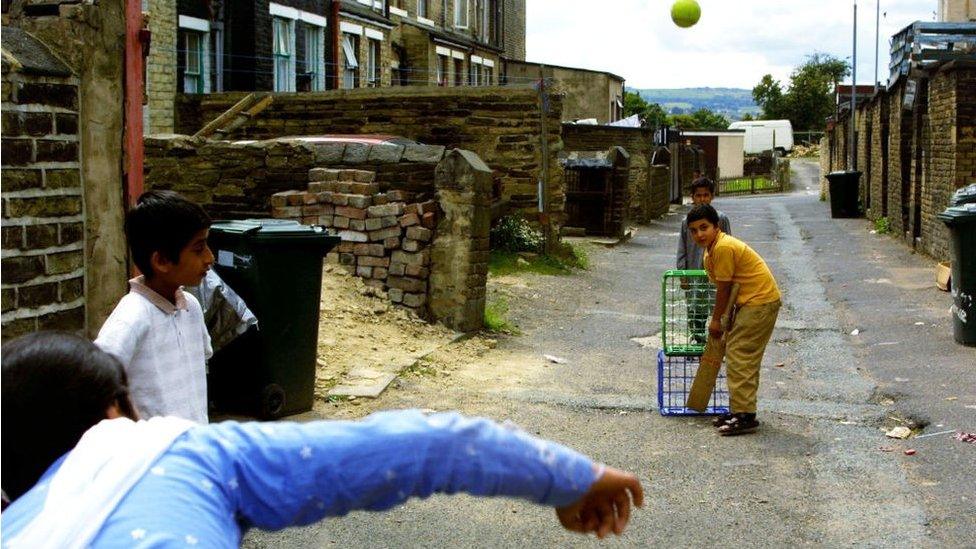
766,135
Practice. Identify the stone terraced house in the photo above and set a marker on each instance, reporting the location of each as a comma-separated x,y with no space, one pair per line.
313,45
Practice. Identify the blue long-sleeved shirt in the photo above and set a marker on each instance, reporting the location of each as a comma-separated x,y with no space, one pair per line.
217,480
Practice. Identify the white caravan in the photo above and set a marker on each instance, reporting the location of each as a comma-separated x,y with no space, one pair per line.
766,135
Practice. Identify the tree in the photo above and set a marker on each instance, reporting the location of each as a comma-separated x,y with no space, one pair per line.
807,101
708,120
651,115
747,117
768,94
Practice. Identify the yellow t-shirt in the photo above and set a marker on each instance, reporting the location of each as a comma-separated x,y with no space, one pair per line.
732,260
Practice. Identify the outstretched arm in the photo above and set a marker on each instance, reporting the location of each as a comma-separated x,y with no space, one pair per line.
292,474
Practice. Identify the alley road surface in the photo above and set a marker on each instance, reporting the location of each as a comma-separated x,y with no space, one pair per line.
819,472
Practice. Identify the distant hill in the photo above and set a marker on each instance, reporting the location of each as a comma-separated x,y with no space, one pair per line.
734,103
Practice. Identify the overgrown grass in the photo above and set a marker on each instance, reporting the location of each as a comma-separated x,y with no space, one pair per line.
882,225
496,317
562,261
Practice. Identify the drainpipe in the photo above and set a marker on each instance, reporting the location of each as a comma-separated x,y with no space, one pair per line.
133,86
336,45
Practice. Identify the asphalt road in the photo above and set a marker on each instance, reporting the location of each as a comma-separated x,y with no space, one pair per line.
817,472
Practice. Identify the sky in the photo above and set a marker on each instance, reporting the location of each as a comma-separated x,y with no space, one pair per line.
733,45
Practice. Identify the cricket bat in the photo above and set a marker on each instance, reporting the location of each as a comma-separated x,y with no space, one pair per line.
711,360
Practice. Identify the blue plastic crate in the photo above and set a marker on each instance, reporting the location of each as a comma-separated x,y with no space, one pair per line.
674,377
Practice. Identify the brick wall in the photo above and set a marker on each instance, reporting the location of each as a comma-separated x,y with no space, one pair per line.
647,202
514,25
43,216
161,66
951,151
501,125
918,156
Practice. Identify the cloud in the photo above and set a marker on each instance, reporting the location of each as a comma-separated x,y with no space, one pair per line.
733,45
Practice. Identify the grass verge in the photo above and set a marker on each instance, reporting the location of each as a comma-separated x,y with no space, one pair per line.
496,317
562,261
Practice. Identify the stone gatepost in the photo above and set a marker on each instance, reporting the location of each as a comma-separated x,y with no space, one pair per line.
459,258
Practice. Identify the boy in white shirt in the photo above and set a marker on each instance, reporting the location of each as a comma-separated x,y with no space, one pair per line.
157,330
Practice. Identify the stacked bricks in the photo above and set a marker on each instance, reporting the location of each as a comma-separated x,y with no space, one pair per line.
386,236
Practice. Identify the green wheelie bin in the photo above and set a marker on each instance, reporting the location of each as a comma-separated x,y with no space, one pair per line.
961,220
276,267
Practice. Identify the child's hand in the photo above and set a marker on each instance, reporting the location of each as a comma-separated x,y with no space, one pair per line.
605,507
715,329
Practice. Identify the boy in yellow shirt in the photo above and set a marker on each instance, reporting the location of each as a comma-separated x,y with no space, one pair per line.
730,261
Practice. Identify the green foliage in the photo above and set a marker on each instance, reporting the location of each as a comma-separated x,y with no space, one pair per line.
882,225
513,233
651,115
747,117
496,317
807,100
560,262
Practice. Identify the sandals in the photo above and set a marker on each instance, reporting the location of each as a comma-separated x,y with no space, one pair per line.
721,420
739,424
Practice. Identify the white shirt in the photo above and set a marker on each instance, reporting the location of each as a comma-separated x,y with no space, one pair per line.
164,349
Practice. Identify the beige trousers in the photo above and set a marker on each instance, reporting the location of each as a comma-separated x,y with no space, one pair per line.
745,345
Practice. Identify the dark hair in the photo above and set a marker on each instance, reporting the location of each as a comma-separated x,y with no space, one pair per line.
55,386
703,211
164,222
703,182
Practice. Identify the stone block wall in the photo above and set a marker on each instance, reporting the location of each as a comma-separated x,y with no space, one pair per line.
647,201
502,125
161,66
918,156
386,236
951,151
404,214
43,274
235,181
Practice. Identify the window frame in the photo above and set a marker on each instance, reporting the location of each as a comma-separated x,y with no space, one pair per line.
350,71
374,54
461,9
284,64
315,55
425,11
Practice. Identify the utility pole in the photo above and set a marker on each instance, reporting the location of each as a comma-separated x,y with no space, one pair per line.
851,138
877,37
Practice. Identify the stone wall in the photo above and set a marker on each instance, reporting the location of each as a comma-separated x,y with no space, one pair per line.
514,28
43,216
649,198
951,151
234,181
88,39
161,66
914,158
501,125
413,220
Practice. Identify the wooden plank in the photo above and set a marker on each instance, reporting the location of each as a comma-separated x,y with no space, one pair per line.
225,117
244,117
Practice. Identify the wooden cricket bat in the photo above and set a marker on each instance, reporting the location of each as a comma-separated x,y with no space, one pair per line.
711,360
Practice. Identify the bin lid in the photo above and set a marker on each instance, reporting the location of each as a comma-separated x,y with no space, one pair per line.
273,229
965,195
844,174
955,215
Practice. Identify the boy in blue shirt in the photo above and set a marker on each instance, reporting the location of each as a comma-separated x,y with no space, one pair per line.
82,472
157,330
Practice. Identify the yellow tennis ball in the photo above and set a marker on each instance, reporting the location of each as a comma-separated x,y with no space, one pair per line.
685,13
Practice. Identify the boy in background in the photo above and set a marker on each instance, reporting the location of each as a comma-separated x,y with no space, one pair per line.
690,256
730,261
157,330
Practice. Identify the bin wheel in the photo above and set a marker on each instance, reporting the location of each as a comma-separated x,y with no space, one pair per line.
272,401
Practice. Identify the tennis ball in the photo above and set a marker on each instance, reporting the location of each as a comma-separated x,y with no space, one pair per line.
685,13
